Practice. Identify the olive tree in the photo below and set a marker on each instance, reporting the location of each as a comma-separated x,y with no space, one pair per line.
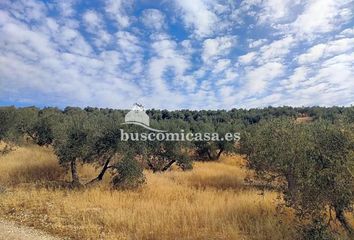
161,153
217,139
7,128
108,151
42,129
6,119
106,146
309,161
72,143
25,121
16,124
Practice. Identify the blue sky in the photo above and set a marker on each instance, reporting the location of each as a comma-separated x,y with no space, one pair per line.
198,54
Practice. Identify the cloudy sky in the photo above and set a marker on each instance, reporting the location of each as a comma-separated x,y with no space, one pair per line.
199,54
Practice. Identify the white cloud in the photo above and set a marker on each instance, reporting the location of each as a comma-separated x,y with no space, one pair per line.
321,16
349,32
276,50
92,19
258,78
295,53
153,19
256,43
273,99
247,58
166,57
56,63
198,16
52,25
327,84
66,7
276,10
294,80
95,25
129,44
226,92
27,10
326,50
217,47
17,34
313,54
71,40
221,65
117,10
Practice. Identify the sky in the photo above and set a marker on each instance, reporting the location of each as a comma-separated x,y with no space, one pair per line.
174,54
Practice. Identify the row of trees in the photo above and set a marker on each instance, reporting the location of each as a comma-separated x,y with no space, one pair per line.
92,136
311,163
38,124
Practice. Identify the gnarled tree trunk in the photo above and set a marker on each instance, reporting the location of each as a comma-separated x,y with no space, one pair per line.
102,173
219,154
74,173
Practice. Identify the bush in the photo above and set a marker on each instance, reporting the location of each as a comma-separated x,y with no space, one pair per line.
316,230
185,163
129,174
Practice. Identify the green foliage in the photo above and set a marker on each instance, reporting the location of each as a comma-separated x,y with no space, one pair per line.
129,173
349,114
185,162
159,156
74,137
316,230
218,144
7,118
43,129
311,159
74,145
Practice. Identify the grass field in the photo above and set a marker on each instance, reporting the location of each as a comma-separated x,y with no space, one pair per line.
209,202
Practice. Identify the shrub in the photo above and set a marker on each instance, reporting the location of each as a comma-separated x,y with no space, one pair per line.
316,230
129,174
184,162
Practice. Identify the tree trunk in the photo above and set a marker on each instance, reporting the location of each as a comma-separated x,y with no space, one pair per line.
101,174
209,155
104,169
291,184
74,174
219,154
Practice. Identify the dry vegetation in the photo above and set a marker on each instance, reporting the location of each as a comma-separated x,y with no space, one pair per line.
209,202
304,119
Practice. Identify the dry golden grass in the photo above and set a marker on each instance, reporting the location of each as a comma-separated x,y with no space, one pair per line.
29,165
304,119
209,202
229,173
